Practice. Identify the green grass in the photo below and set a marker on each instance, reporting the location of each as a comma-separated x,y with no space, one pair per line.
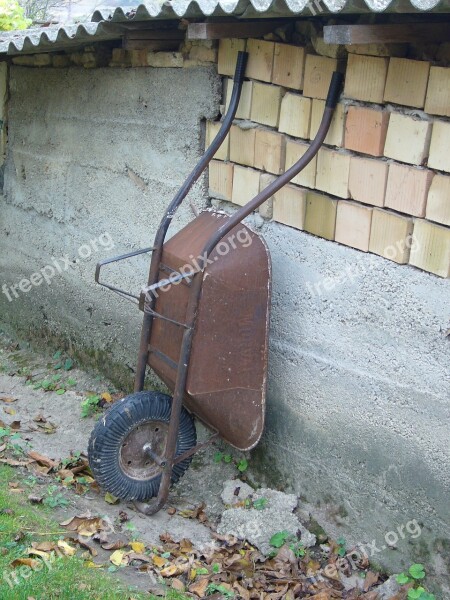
67,578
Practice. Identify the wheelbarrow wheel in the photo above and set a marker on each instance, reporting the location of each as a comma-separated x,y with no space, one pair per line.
117,457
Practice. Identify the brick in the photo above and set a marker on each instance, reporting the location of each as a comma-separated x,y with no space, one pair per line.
120,58
335,135
365,130
390,235
139,58
295,115
407,139
318,72
407,82
431,248
260,60
245,185
270,151
320,215
378,49
212,128
367,180
202,53
365,78
242,145
289,206
245,101
266,209
266,101
294,151
228,52
220,179
332,172
353,223
438,203
61,60
289,66
407,189
164,60
438,94
439,155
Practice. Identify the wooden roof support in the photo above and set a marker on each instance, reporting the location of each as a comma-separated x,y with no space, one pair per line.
387,34
232,29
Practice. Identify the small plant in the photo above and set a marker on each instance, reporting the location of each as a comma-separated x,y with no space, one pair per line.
260,504
55,499
214,587
241,465
341,551
281,538
416,573
90,405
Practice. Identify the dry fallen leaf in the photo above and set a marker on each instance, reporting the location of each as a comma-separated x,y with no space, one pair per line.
138,547
117,545
159,561
42,460
110,499
44,546
7,399
9,411
106,396
118,557
29,562
66,548
199,587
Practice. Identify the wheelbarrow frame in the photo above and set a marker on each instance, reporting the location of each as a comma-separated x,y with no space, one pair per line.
147,301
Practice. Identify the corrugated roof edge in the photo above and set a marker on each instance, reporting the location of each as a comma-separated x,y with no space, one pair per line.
106,23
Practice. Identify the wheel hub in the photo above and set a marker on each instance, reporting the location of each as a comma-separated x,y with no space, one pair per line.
134,460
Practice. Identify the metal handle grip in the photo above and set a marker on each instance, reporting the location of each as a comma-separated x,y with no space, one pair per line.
334,90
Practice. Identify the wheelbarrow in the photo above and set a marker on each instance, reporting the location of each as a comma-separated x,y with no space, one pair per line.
205,334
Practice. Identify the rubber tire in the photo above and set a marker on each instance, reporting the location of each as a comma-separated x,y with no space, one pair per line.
112,428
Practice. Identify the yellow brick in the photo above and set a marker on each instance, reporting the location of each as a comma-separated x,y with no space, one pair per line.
438,204
242,145
332,172
212,128
320,216
367,180
260,60
407,82
408,139
245,101
295,115
365,78
220,179
270,151
294,151
439,149
266,102
228,51
438,94
353,223
431,248
407,189
318,72
289,206
289,66
245,185
335,135
266,209
390,235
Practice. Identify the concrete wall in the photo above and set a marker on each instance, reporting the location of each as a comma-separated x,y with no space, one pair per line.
359,384
94,152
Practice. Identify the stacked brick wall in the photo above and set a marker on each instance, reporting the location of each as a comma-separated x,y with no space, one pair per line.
381,182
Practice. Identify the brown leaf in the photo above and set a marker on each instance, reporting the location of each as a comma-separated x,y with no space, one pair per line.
7,399
29,562
39,419
117,545
15,463
171,511
15,426
186,545
138,556
166,539
9,411
42,460
370,580
178,585
199,587
35,499
159,561
242,592
85,525
44,546
84,544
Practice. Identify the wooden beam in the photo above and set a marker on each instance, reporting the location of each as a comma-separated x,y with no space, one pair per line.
153,39
387,34
231,29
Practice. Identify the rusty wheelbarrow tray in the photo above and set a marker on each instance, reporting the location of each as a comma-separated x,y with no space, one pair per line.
205,334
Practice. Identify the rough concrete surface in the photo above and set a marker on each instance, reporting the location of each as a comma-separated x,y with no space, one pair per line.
258,526
92,153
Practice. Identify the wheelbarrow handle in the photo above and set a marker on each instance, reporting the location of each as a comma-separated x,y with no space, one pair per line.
287,176
107,261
